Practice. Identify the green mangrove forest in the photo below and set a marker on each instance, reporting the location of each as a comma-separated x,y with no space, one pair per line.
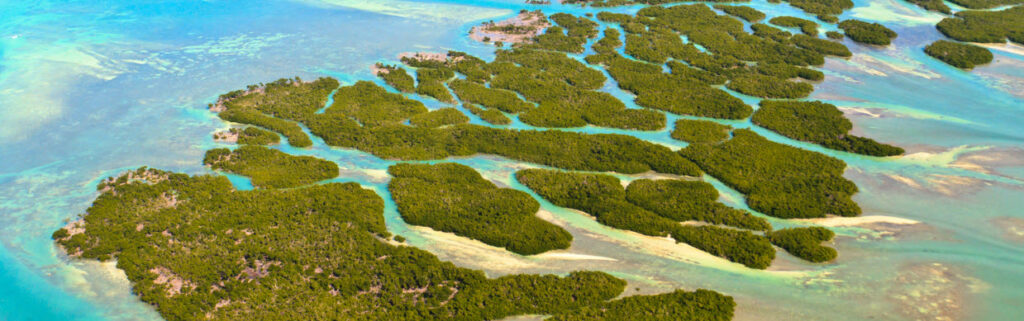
959,55
869,33
805,243
455,198
819,123
271,168
196,249
779,180
651,209
700,131
303,246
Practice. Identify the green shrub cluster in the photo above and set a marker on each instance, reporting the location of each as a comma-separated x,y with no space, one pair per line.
959,55
438,118
554,65
700,131
821,46
869,33
785,71
729,54
684,92
727,44
474,93
656,45
808,27
577,27
779,180
562,87
805,243
820,123
770,33
676,305
286,98
367,117
609,42
769,87
828,18
575,151
696,74
472,67
690,201
570,35
255,136
430,82
834,35
985,26
492,116
744,12
371,105
396,77
316,253
273,106
603,197
744,247
271,168
296,137
455,198
822,8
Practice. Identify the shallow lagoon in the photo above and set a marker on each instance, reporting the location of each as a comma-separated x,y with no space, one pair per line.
86,96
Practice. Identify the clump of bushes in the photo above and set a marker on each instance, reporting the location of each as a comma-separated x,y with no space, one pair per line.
271,168
700,131
959,55
869,33
438,118
805,243
602,196
820,123
455,198
779,180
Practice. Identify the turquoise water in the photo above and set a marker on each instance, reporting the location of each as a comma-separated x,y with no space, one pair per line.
90,89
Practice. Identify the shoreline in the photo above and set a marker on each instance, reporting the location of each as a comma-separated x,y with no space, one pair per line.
519,29
858,221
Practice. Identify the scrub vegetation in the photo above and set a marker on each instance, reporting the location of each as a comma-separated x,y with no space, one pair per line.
396,77
959,55
808,27
805,243
649,211
985,26
276,105
746,13
195,249
779,180
271,168
819,123
297,247
492,116
454,198
869,33
439,118
255,136
700,131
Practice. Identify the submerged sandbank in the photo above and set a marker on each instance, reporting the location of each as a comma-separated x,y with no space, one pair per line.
858,221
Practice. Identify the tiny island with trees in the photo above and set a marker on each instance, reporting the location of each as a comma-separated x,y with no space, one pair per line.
301,245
